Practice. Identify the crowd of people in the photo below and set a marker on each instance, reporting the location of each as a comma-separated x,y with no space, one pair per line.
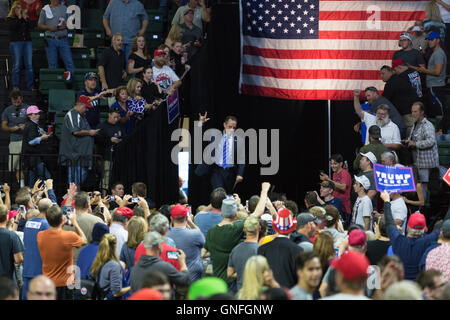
347,241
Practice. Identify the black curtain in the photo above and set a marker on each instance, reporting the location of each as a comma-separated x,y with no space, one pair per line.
212,85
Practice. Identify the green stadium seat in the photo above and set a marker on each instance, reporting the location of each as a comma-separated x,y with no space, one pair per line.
51,79
81,57
92,19
60,100
154,15
38,39
444,153
93,38
59,119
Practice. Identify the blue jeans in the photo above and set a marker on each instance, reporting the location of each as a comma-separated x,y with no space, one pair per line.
38,172
75,173
443,137
18,50
126,47
62,46
25,285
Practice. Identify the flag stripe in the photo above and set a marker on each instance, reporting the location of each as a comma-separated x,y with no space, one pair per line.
318,54
311,64
364,25
318,94
372,35
408,6
311,74
364,15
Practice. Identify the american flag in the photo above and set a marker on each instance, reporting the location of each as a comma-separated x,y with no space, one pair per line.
319,49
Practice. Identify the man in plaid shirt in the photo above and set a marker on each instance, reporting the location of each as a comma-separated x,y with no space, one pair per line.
422,141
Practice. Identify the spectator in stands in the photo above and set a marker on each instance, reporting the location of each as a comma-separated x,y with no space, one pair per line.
126,116
151,261
20,44
8,288
41,288
390,132
417,32
117,192
374,146
110,134
362,209
33,8
136,103
243,251
174,35
435,76
422,142
438,258
281,251
94,93
444,8
139,189
77,141
201,13
431,282
178,55
164,75
378,248
34,138
333,224
127,17
342,182
192,34
324,247
88,253
111,67
137,228
400,90
206,219
12,247
409,248
310,199
411,75
32,262
407,53
309,274
189,238
139,58
306,229
351,276
106,269
257,275
53,20
151,91
85,220
433,19
56,249
13,121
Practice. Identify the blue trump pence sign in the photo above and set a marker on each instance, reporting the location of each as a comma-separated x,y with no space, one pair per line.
393,179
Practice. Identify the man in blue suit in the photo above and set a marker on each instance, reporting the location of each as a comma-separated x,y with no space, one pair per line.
227,169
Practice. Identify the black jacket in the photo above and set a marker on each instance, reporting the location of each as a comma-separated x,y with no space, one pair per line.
32,131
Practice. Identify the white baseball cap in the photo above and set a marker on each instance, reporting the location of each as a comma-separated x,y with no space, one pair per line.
364,181
370,156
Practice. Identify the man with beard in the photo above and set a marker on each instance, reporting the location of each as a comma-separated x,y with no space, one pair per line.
390,133
418,36
407,53
164,75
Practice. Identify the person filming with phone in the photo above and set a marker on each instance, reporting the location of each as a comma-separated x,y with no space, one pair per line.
34,142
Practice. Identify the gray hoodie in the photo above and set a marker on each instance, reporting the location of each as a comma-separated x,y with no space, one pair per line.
148,264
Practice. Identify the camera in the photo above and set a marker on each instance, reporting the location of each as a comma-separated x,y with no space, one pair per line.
230,196
134,200
112,198
172,255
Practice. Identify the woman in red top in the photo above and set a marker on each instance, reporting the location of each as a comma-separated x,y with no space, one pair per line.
34,9
343,183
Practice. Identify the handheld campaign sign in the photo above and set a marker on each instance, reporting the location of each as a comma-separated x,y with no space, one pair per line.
173,107
393,179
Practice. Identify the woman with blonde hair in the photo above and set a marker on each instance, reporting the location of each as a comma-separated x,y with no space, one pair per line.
107,270
174,35
137,228
139,57
433,20
324,247
20,44
257,277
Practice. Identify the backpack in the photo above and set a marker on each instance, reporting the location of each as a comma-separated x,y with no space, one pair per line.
90,288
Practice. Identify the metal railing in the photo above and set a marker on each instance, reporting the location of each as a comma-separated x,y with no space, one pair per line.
57,166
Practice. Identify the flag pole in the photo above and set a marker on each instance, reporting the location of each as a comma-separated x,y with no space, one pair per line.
329,138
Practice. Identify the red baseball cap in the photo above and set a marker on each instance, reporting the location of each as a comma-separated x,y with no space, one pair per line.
417,221
125,211
397,62
86,101
12,213
179,211
158,52
352,266
357,238
146,294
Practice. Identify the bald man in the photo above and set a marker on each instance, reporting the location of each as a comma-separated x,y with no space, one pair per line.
41,288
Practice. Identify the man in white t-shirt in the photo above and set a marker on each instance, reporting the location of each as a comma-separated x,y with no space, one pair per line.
399,210
164,75
362,210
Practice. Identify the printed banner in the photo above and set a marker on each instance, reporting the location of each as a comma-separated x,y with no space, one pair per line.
393,179
173,106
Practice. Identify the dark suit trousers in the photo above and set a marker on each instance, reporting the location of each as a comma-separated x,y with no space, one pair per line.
224,178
